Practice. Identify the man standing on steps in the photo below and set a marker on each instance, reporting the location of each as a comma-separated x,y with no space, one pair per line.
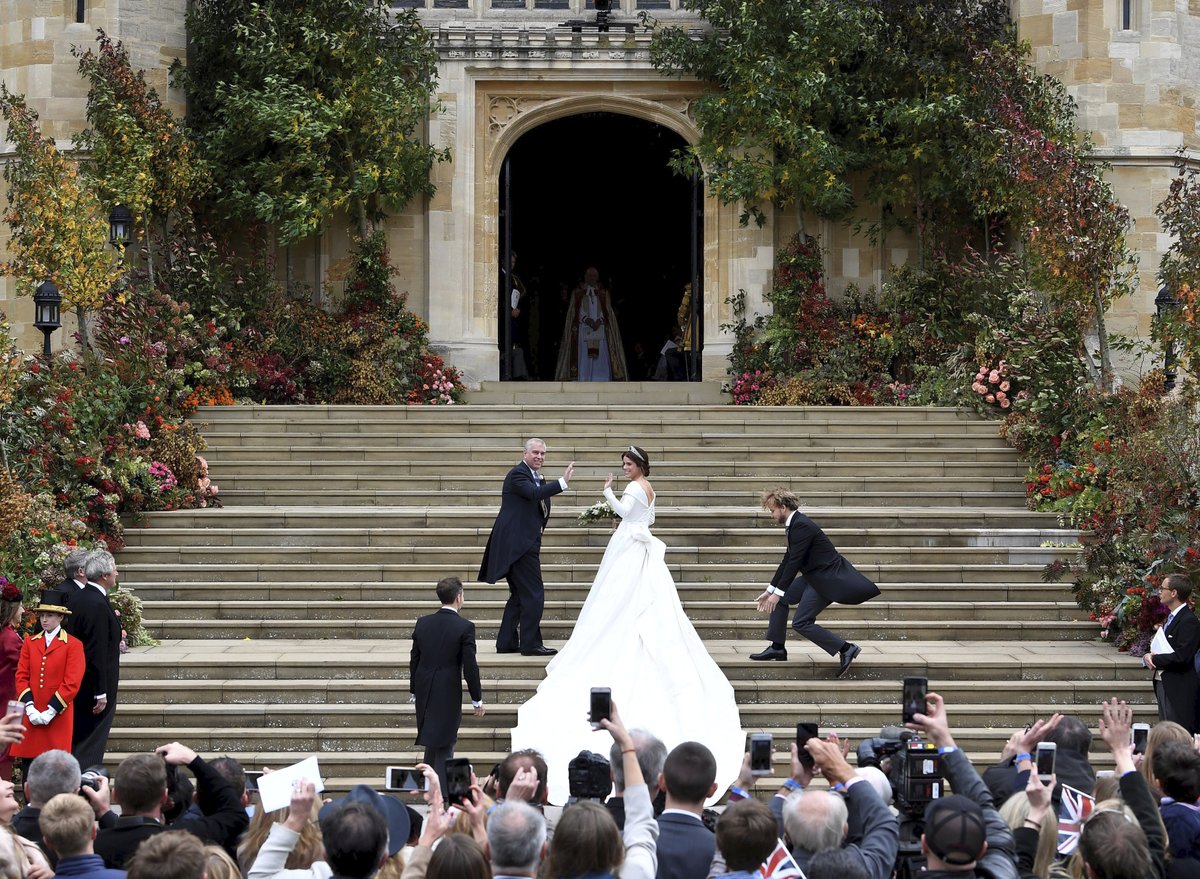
1172,655
514,550
94,622
812,575
443,653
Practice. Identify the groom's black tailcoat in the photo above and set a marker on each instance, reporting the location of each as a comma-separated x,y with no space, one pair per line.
513,553
812,561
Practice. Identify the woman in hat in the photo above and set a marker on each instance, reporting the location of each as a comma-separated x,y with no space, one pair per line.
49,673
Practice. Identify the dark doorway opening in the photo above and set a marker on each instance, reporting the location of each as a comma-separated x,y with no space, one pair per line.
596,190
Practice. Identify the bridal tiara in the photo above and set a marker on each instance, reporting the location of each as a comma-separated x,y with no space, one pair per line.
634,453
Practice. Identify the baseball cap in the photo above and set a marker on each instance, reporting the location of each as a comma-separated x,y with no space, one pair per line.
954,830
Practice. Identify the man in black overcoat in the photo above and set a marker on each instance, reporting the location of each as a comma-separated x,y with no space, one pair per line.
443,653
1172,655
514,551
94,622
812,575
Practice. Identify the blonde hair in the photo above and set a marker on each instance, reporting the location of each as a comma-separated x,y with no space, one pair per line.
66,823
308,848
1014,812
218,864
390,869
779,497
1162,732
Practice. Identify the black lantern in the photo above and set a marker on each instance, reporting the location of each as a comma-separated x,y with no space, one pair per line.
1165,305
120,227
46,302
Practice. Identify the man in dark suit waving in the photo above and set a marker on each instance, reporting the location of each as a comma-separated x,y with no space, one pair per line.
94,622
514,551
1172,655
812,575
443,653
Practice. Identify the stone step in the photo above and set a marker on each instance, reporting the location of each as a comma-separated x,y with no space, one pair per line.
558,630
585,413
669,489
421,593
429,574
558,393
298,723
590,556
725,456
393,692
748,495
598,535
307,516
486,613
716,467
1015,662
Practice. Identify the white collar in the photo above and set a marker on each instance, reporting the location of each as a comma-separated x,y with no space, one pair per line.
103,591
788,523
50,636
450,608
682,812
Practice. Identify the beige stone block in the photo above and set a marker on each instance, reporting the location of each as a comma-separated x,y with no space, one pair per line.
1037,29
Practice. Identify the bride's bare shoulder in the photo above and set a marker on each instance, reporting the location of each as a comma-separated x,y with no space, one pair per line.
648,489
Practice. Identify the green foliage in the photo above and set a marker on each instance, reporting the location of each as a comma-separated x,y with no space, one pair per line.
1180,268
307,109
58,229
139,155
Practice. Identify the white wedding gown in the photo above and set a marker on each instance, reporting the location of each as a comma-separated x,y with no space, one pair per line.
633,636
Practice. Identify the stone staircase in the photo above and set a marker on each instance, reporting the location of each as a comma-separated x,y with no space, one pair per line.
284,617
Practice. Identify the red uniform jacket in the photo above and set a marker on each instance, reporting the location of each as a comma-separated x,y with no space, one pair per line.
49,677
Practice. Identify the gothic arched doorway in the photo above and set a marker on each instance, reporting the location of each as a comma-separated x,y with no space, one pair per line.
596,189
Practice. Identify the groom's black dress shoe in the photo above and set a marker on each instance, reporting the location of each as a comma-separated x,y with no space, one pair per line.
848,653
771,653
539,651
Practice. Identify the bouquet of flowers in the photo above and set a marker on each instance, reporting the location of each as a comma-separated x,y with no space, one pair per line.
597,512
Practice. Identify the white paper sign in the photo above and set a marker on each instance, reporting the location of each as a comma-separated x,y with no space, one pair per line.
275,788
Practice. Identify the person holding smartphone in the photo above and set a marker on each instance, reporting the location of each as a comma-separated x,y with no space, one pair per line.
10,654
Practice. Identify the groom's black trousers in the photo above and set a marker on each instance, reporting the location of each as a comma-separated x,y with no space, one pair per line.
809,603
526,600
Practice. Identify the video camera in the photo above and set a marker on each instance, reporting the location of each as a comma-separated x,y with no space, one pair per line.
914,769
589,776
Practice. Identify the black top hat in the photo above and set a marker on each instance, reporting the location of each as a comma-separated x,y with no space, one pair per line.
53,601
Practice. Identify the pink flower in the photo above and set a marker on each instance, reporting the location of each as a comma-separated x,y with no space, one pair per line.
1023,395
991,398
124,340
994,376
979,377
1001,396
1004,404
1005,385
141,431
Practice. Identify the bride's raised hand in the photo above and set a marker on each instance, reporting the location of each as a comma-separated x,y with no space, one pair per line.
608,482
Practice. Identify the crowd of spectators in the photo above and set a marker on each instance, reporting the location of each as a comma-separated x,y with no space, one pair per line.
826,820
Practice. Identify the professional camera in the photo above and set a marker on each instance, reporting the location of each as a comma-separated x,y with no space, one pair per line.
91,777
589,776
914,769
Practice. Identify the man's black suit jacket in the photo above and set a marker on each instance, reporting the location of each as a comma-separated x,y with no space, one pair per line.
685,847
1178,669
443,652
520,522
93,621
812,554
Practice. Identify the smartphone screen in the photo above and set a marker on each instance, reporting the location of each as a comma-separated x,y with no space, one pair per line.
458,780
1141,734
252,777
15,708
1046,752
760,753
804,732
407,778
913,699
601,705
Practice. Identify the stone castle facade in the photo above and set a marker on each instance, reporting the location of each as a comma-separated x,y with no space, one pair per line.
509,66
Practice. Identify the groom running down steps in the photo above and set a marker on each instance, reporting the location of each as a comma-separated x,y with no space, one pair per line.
811,576
514,549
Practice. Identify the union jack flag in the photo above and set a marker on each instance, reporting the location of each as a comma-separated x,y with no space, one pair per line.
1076,806
781,865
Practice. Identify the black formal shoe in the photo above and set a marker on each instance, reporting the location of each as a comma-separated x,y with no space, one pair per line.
849,652
778,653
539,651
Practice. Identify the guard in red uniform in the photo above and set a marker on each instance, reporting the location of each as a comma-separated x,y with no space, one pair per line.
49,673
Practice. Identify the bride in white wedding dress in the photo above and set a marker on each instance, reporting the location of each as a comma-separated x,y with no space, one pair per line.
634,637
